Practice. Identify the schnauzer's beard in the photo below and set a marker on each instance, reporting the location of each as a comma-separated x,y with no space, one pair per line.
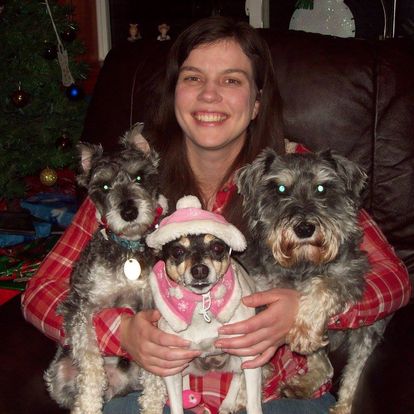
289,250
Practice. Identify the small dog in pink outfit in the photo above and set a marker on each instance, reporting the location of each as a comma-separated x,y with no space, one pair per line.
198,287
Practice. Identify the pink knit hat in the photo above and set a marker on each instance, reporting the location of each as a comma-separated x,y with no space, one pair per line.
189,218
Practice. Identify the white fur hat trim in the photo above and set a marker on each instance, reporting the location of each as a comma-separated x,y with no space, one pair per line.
188,219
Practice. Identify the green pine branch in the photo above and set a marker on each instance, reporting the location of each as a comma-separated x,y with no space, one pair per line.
29,135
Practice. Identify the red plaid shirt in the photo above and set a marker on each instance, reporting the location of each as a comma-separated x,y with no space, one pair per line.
388,289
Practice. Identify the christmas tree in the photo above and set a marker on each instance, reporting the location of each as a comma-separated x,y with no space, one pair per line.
42,111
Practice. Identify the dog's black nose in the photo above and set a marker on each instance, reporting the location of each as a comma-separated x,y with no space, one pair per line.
304,230
129,211
199,271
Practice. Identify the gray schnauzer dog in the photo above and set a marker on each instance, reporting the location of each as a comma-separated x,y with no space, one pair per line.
112,271
302,212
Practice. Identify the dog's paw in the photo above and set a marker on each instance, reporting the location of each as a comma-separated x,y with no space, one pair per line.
232,407
303,340
226,409
340,409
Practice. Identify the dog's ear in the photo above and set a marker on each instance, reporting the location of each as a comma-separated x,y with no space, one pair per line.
249,176
87,152
248,180
134,139
351,173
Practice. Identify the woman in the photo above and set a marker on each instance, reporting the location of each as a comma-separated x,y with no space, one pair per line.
220,107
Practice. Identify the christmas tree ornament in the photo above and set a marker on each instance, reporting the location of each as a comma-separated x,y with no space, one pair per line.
20,98
63,142
48,177
74,92
50,51
69,34
67,78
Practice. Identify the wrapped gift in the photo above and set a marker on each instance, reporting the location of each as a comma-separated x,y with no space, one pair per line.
20,262
53,208
43,214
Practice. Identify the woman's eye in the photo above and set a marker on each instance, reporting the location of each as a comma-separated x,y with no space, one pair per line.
320,189
218,248
281,189
232,81
191,78
106,187
177,252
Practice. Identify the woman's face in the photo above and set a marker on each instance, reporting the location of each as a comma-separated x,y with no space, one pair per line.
216,97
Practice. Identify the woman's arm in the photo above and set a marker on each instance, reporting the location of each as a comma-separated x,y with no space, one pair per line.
388,285
51,283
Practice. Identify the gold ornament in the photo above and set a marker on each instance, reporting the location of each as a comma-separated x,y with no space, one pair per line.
48,177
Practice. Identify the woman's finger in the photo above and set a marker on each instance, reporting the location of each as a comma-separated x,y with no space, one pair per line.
264,319
260,359
262,298
245,341
168,340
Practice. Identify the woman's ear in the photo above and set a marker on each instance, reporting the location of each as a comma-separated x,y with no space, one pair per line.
256,106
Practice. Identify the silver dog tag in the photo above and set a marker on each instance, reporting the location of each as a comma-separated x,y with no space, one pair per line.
132,269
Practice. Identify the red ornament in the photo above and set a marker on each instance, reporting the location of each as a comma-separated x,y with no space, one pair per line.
69,34
20,98
50,51
63,142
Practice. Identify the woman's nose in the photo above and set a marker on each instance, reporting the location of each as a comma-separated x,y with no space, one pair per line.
210,92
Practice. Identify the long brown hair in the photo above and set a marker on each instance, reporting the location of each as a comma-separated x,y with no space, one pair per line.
264,131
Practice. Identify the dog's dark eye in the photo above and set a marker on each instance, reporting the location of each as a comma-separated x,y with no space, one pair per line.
217,248
320,189
281,189
138,178
177,252
106,187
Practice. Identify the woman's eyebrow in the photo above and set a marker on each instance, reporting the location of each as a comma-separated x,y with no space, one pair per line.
226,72
236,70
189,68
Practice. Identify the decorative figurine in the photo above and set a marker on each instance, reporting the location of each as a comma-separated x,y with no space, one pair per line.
163,29
134,33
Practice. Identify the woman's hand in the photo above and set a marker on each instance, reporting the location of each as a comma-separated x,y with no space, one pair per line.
264,333
158,352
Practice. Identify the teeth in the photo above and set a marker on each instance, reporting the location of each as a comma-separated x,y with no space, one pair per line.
209,117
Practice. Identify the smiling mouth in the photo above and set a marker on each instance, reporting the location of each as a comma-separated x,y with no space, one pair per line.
209,117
